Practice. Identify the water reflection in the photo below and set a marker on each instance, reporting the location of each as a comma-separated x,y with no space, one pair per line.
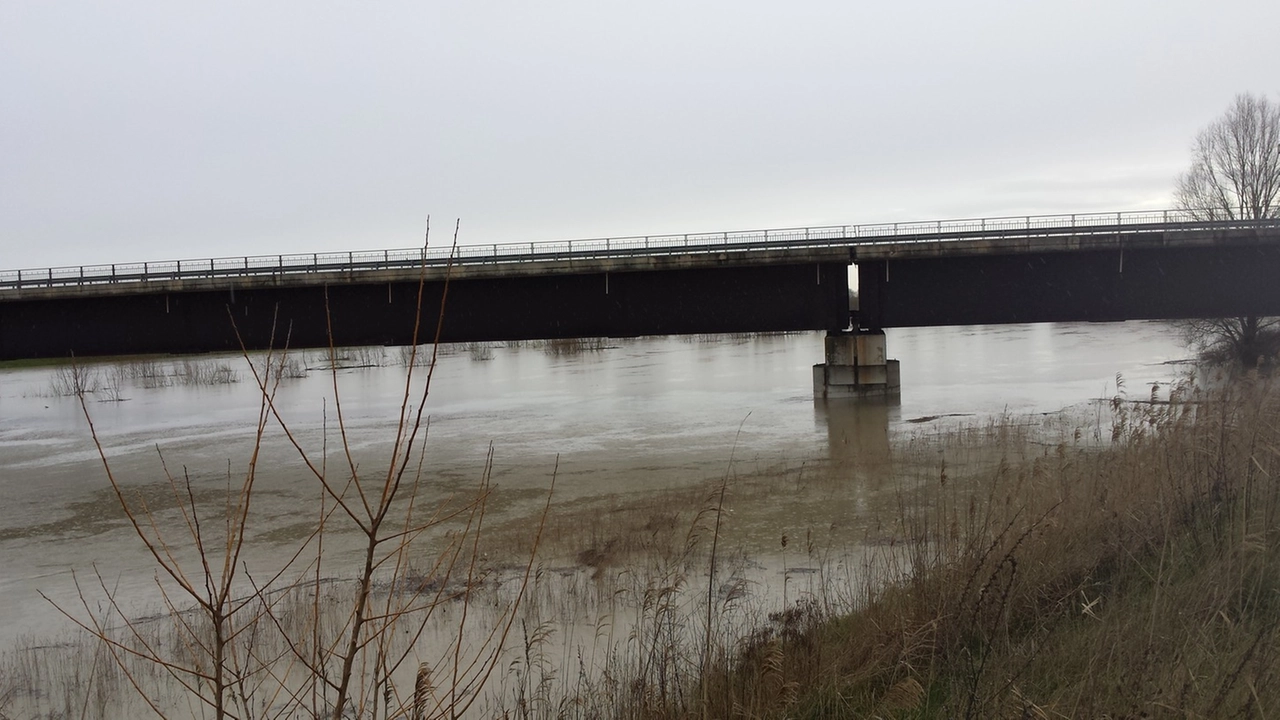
858,430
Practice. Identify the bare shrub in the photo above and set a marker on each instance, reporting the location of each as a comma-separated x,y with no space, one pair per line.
74,380
418,355
574,346
292,641
111,388
291,367
1247,341
147,373
479,351
358,357
205,372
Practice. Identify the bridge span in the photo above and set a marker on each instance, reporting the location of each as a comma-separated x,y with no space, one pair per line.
1095,266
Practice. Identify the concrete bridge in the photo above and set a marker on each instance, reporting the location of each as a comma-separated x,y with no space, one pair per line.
1096,266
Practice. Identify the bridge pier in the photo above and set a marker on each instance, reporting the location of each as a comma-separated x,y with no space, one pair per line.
856,367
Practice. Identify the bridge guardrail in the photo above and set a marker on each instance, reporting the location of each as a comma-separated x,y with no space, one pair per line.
783,238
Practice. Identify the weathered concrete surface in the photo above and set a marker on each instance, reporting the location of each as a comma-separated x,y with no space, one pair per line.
856,366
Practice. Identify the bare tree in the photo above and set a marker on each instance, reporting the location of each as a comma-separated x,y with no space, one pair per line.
1235,175
1226,340
1235,164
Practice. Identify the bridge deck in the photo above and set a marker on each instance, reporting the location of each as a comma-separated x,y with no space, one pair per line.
853,243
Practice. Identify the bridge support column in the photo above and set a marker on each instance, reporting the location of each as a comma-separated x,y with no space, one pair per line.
856,367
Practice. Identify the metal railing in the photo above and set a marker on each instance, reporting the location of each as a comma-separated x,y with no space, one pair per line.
773,239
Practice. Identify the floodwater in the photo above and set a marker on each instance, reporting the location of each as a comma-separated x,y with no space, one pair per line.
630,417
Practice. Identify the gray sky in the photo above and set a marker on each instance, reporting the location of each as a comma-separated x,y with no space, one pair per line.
137,130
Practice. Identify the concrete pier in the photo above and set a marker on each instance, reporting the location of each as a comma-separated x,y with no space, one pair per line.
856,367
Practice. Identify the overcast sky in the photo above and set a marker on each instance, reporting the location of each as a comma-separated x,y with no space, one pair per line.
136,130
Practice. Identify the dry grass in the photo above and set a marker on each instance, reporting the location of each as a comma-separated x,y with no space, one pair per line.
1134,578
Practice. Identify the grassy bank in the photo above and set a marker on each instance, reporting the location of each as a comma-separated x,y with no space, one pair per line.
1137,578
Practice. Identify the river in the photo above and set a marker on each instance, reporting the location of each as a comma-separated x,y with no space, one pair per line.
624,416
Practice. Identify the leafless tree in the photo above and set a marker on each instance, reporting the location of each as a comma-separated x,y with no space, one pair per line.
1235,175
1247,340
1235,164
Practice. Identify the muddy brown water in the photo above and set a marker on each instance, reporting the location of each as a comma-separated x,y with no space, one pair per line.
626,416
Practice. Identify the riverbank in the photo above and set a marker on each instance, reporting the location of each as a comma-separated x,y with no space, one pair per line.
1136,579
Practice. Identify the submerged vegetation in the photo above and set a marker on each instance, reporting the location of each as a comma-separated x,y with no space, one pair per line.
105,380
1121,562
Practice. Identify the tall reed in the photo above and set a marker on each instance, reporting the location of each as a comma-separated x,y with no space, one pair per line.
1135,577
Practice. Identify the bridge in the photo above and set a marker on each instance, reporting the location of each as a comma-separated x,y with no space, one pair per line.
1088,266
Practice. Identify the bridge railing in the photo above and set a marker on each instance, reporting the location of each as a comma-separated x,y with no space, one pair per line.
783,238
